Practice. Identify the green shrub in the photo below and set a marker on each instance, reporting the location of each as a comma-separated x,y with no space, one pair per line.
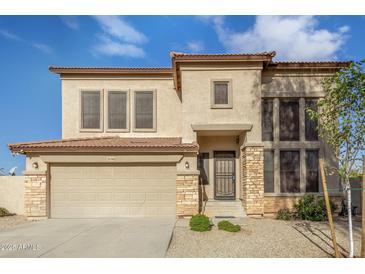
228,226
312,208
200,222
284,214
4,212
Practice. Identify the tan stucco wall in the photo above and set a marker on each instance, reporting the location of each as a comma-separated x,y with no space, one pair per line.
289,82
220,143
168,105
12,193
30,159
196,98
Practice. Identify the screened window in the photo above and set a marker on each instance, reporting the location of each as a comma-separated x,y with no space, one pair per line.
289,120
221,93
203,167
289,171
90,110
117,109
269,170
312,175
144,109
267,119
311,133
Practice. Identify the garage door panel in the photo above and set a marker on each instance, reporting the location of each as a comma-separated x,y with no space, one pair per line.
112,191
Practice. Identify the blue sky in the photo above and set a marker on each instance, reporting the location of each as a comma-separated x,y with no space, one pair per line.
30,102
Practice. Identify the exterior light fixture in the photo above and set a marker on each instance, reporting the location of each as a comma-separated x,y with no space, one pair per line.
187,165
35,165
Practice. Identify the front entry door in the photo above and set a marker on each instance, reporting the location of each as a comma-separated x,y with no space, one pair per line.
224,175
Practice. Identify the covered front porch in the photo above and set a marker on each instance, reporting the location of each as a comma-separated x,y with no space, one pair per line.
231,171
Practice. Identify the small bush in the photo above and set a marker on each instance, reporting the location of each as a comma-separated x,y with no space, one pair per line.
312,208
284,214
200,222
228,226
4,212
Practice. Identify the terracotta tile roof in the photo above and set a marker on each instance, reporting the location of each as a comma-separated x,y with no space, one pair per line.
224,56
112,70
307,64
107,144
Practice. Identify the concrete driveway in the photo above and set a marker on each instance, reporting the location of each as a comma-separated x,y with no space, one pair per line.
78,238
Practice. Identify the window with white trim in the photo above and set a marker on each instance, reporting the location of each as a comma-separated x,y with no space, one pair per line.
144,110
91,110
117,110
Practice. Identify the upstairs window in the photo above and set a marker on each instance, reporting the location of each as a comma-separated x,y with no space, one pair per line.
144,110
289,171
267,120
91,109
221,94
311,133
289,120
312,174
117,110
268,170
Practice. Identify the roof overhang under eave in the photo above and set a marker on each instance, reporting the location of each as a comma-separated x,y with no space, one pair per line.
220,129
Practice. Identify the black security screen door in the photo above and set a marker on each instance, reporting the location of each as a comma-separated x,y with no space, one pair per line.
224,175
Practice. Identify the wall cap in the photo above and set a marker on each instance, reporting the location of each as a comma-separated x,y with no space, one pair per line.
252,145
188,172
35,172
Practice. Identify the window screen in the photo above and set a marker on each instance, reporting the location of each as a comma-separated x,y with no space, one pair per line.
203,167
311,133
117,110
289,120
267,119
289,171
90,109
144,109
312,175
269,170
220,93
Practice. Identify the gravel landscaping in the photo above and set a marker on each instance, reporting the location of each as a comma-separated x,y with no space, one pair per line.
11,221
262,238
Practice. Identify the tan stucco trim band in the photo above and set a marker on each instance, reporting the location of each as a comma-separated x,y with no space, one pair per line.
111,158
206,127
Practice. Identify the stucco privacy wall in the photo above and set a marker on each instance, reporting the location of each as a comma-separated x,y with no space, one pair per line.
12,193
196,97
169,118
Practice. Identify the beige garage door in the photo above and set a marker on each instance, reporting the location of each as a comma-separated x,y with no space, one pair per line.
89,191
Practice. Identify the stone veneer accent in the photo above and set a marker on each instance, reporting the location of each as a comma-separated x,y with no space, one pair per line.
35,196
253,179
273,203
187,196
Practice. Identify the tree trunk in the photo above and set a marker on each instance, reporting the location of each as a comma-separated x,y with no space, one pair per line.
349,214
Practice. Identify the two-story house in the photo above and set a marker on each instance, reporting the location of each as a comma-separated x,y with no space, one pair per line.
226,134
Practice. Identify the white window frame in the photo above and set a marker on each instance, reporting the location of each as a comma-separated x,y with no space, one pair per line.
212,94
106,119
101,126
154,113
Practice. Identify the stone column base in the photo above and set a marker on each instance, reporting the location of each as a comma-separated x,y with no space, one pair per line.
187,196
253,179
35,197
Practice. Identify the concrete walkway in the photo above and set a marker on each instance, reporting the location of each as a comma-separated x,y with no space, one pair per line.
79,238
